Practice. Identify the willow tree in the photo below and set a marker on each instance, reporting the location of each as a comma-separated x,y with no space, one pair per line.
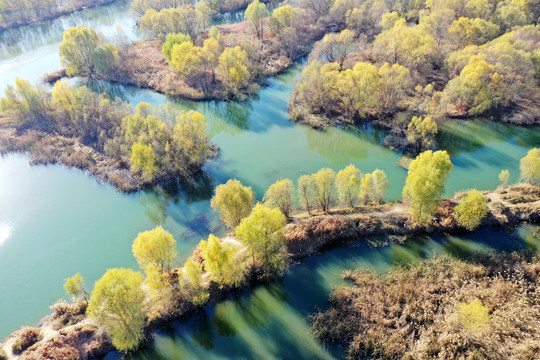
472,208
261,233
233,69
337,46
366,188
305,192
143,161
504,176
425,182
221,262
530,167
75,288
380,183
77,50
171,41
155,247
324,188
191,281
233,201
256,12
281,195
116,304
348,185
282,18
421,133
84,52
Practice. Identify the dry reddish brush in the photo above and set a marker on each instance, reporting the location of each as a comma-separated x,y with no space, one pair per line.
68,314
81,341
413,312
27,337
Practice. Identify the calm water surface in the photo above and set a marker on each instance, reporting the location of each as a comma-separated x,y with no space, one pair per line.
55,221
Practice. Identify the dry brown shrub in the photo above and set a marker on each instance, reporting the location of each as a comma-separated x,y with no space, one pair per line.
27,337
412,312
68,314
52,350
522,193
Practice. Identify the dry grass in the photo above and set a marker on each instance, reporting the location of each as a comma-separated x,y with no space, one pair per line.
521,193
412,312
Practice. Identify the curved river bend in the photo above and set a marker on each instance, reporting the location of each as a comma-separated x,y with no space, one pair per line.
55,221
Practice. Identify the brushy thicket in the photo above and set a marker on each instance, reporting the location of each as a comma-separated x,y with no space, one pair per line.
28,336
413,312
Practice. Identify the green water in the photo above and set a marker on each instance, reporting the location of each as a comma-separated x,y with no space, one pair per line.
55,221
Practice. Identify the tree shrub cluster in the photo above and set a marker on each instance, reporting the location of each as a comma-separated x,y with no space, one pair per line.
84,52
440,308
157,143
231,64
459,58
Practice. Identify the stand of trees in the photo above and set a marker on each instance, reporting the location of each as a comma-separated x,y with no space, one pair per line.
435,59
158,143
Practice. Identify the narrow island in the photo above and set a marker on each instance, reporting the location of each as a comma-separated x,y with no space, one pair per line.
76,127
126,306
185,57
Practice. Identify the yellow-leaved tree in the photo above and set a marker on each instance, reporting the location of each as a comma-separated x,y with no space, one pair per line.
324,188
530,167
192,282
233,68
348,185
425,182
471,209
256,12
261,233
221,262
421,133
281,195
233,201
116,304
155,247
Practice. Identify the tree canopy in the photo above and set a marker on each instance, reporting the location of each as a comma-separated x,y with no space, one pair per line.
233,201
425,182
156,247
117,305
471,209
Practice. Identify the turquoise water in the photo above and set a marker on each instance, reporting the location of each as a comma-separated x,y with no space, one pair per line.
56,221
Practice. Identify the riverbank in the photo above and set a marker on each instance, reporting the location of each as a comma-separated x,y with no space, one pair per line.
306,234
55,14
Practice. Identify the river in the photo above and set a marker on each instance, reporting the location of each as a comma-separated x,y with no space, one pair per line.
56,221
